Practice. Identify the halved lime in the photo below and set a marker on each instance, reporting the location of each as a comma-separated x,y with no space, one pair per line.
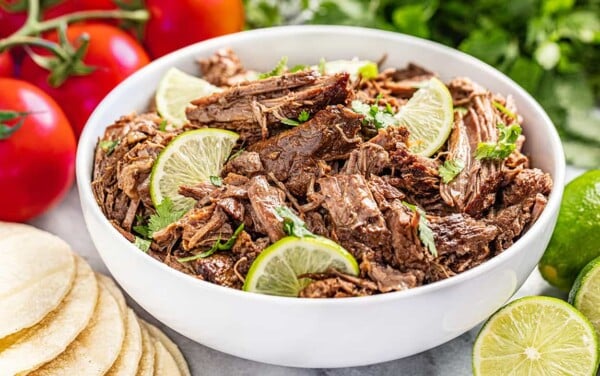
192,157
585,294
429,116
536,335
275,271
175,91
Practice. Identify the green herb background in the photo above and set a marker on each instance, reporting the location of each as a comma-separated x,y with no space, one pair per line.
550,47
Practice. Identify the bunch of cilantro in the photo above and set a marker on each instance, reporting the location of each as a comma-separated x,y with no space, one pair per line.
550,47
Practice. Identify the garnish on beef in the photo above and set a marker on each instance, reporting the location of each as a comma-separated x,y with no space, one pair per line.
305,154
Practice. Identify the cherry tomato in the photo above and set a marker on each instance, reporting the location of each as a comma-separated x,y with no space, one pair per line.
114,55
175,24
6,64
37,160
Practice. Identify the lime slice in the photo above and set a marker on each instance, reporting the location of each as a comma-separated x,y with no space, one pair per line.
429,116
275,271
536,335
192,157
585,294
175,91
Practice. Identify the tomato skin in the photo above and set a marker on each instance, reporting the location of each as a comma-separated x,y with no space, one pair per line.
6,64
114,54
175,24
37,162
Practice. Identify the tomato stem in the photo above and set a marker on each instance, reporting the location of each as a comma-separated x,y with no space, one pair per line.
18,40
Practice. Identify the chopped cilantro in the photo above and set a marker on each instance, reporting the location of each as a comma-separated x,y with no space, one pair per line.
425,232
279,69
507,137
162,126
292,224
216,181
375,115
298,68
450,169
389,109
322,66
368,71
142,244
304,115
108,146
217,246
165,215
290,122
505,110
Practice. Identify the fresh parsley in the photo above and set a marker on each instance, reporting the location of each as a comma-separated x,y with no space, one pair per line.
292,224
507,138
217,246
279,69
374,114
108,146
165,215
425,233
216,180
450,169
368,71
143,244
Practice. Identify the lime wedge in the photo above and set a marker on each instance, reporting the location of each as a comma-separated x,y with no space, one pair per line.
192,157
429,116
585,294
536,335
275,271
175,91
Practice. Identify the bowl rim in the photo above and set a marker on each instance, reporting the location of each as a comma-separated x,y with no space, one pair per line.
85,157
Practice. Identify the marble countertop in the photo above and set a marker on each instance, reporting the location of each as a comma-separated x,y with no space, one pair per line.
451,358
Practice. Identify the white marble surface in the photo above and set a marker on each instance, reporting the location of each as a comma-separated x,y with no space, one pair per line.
452,358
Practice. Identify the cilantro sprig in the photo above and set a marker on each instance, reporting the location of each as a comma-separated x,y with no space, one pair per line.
380,118
217,246
165,215
279,69
450,169
292,224
304,115
507,138
425,233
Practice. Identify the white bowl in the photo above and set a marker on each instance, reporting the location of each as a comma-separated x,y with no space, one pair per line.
321,332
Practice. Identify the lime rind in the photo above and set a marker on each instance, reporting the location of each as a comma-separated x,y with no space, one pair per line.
275,271
536,335
174,93
429,116
585,294
192,157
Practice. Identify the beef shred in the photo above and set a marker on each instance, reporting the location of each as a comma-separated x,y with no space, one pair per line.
303,147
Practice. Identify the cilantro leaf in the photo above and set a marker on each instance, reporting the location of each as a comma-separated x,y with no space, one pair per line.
298,68
425,233
304,115
505,110
292,224
143,244
217,246
216,180
450,169
369,71
290,122
165,215
162,126
279,69
374,115
507,137
108,146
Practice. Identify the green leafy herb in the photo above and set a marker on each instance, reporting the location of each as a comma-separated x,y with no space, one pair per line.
369,71
292,224
304,115
5,130
389,109
108,146
298,68
236,154
322,66
505,110
217,246
165,215
425,233
375,115
450,169
507,137
216,181
279,69
290,122
162,126
142,244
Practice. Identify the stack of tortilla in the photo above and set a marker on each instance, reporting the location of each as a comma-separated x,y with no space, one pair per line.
57,317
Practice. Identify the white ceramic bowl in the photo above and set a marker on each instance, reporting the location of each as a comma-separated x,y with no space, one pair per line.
327,332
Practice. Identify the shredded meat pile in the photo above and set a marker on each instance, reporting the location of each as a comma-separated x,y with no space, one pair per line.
354,185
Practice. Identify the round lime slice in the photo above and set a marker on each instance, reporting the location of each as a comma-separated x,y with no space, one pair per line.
585,294
192,157
536,335
175,91
429,116
277,269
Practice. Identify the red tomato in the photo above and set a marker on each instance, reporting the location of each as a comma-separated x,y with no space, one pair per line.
175,24
114,54
37,161
6,64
